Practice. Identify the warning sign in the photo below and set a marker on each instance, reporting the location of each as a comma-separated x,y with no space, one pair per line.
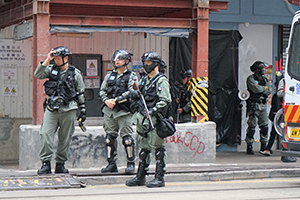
92,67
10,90
9,74
15,53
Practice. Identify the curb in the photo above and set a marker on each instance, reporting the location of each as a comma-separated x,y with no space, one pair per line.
190,177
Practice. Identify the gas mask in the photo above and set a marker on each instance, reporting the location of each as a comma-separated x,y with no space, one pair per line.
260,71
149,68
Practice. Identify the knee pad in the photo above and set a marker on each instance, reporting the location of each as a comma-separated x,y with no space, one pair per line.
160,153
143,154
109,140
128,141
250,132
264,130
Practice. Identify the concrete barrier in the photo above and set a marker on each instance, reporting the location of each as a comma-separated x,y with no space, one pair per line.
192,143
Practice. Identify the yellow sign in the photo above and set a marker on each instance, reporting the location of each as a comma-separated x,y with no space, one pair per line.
92,65
199,89
10,90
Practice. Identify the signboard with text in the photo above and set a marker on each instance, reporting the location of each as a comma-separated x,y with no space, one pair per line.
15,53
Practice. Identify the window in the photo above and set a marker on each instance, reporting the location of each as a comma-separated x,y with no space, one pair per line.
294,53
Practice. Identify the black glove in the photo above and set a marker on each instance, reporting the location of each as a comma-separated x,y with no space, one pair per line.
135,95
82,116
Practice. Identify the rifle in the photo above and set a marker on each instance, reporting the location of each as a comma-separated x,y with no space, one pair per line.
178,106
177,114
135,87
81,125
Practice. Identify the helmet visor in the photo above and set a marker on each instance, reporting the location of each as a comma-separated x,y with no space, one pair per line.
119,56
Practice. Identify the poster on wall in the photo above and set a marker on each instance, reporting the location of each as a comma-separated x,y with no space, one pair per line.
9,74
137,67
10,90
91,67
15,53
92,81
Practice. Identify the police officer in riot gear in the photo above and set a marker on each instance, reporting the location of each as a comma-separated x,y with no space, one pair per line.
183,112
65,91
259,88
114,93
156,91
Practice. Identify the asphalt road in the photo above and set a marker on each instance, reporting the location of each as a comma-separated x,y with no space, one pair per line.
255,189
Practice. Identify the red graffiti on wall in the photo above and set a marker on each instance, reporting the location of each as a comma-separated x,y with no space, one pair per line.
189,140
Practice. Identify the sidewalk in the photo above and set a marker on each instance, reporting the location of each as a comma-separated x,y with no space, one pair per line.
228,166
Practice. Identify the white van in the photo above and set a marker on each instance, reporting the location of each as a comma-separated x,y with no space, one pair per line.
291,106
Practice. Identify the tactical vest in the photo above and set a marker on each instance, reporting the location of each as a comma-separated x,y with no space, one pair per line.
116,87
61,86
184,96
150,92
258,97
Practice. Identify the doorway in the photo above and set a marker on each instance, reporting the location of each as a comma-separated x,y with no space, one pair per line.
90,66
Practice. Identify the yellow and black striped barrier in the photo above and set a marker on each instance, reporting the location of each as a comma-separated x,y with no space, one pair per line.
199,89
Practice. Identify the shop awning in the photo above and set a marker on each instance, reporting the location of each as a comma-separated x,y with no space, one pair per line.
168,32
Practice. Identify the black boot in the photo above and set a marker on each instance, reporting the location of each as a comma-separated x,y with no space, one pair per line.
250,149
130,168
111,167
60,169
45,169
158,181
140,178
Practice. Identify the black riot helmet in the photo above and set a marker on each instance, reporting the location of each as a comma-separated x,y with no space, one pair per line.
63,52
121,54
258,65
162,66
187,73
151,56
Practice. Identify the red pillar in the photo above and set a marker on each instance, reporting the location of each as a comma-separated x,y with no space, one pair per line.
200,41
41,46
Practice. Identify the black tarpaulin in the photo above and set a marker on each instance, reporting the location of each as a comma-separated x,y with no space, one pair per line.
180,58
223,102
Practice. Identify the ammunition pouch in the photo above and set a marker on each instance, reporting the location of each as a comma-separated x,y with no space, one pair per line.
54,103
50,87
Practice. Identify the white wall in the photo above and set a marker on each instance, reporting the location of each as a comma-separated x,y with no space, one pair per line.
19,54
257,44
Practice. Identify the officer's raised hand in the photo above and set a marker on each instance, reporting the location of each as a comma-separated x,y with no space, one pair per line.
50,56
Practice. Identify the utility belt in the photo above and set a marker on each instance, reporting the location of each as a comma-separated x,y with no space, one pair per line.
122,106
53,103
